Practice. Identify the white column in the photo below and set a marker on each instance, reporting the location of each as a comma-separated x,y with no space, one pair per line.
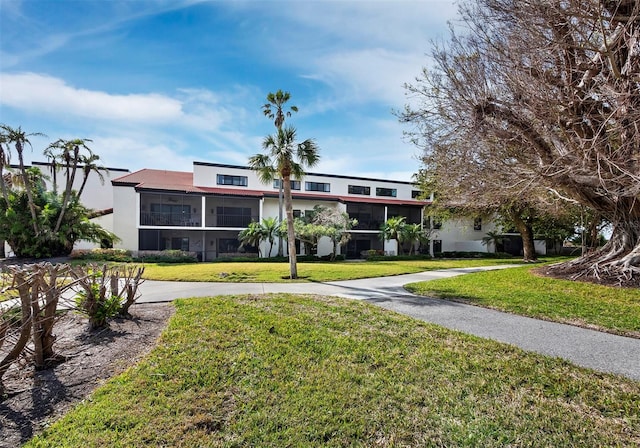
203,211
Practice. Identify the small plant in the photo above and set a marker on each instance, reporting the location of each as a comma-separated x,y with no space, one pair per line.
95,299
106,291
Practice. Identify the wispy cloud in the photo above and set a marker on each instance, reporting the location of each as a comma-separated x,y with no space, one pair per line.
46,94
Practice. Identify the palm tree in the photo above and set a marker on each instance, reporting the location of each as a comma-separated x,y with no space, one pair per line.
252,236
20,140
392,230
285,158
89,165
270,227
411,233
273,110
70,157
493,237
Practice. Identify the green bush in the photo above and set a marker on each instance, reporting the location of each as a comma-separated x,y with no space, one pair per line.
167,256
117,255
398,257
467,254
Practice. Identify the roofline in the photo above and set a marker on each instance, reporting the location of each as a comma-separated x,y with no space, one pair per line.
126,170
336,176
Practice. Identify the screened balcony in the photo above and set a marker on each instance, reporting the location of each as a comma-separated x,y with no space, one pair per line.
170,210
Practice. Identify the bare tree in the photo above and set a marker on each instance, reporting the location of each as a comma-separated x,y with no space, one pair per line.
549,92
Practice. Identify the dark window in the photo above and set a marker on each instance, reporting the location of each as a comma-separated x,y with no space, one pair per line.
168,215
297,213
415,193
228,245
233,216
392,192
477,224
359,189
437,246
317,186
295,184
180,243
238,181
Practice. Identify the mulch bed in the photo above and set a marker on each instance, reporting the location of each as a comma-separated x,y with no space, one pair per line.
34,400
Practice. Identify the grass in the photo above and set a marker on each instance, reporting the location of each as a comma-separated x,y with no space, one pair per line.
316,271
520,291
307,371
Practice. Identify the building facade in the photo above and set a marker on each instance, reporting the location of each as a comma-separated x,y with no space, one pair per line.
203,211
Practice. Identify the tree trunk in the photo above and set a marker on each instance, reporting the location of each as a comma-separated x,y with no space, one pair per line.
291,234
528,246
25,326
617,261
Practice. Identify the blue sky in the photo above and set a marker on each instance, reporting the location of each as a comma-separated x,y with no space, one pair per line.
160,84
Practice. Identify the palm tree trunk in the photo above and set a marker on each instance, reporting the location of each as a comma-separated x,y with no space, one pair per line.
28,190
291,235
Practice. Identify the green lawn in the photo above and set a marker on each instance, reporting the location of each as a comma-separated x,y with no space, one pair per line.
316,272
519,291
305,371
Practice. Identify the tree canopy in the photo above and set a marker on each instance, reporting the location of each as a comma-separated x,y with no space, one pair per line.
540,100
37,222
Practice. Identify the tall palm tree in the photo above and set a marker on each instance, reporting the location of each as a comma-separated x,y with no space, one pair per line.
70,156
284,158
20,140
274,110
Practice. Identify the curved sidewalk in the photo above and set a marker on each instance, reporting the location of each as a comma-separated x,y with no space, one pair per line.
588,348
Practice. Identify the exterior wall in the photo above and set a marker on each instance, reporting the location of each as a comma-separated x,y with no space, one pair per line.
214,236
205,175
97,195
459,235
125,217
106,222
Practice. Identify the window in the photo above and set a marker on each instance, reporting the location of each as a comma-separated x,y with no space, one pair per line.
416,193
295,184
359,189
437,223
477,224
168,215
297,213
317,186
238,181
233,216
437,246
180,243
391,192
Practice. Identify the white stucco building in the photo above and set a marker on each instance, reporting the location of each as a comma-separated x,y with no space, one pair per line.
204,210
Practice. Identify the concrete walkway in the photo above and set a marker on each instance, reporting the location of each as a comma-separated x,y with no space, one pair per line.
600,351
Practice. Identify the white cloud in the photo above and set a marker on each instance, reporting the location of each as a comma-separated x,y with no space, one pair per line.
45,94
134,153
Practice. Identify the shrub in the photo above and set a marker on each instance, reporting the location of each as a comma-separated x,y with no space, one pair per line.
167,256
116,255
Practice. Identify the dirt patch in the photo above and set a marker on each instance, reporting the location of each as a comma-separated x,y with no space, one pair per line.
36,399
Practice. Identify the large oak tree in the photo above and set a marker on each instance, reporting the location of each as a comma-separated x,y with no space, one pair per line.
548,93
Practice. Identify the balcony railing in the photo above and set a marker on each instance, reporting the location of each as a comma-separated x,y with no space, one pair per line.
169,219
191,220
232,220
